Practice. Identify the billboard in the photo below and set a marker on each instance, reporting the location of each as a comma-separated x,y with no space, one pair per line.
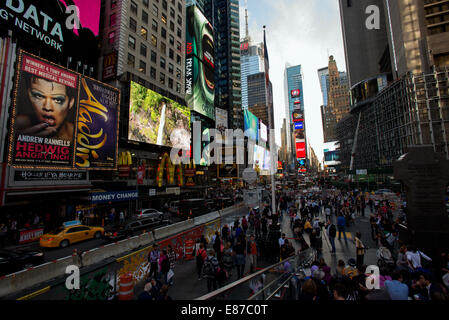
296,116
110,66
266,160
300,149
251,125
200,65
263,131
295,93
221,120
259,153
156,119
299,125
61,119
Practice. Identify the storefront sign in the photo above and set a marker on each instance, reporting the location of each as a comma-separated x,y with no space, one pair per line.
115,196
175,190
30,235
44,175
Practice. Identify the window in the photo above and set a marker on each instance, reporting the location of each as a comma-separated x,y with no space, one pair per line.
170,83
178,73
143,49
153,40
164,18
164,4
178,59
162,63
131,60
144,17
132,24
179,33
162,78
133,7
144,33
154,25
131,42
113,20
172,13
164,33
145,3
178,46
163,48
142,67
170,68
179,7
113,4
178,87
172,26
155,10
179,20
171,39
171,54
153,73
111,37
153,56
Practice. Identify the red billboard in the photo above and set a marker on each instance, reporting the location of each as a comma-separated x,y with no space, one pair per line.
295,93
296,116
300,150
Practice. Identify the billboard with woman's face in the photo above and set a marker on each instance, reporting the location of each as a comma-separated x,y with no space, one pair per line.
155,119
61,119
44,114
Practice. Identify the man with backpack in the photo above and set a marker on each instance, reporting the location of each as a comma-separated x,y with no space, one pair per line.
153,259
201,255
210,270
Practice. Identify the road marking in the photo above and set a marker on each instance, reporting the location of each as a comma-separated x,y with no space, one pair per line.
34,294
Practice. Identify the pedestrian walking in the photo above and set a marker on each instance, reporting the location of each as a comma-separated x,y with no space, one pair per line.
201,255
153,259
341,226
164,266
331,233
360,249
240,257
253,253
210,270
228,258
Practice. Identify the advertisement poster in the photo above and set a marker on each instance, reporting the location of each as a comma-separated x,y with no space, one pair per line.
267,160
251,125
200,65
263,132
43,115
300,150
158,120
259,153
221,120
97,126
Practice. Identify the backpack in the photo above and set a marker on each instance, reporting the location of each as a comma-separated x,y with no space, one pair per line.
208,268
199,256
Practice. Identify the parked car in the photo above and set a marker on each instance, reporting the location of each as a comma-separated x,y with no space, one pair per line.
64,236
149,213
132,227
15,260
173,207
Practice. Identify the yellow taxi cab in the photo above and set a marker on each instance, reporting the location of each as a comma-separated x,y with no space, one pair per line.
70,232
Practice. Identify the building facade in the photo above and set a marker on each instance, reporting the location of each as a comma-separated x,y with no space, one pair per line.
251,61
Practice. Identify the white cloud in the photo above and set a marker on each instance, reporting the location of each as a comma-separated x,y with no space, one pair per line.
298,32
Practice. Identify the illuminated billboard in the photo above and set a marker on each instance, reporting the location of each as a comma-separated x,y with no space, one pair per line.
61,119
300,149
295,93
296,116
251,125
259,154
263,132
299,125
221,120
199,36
266,160
158,120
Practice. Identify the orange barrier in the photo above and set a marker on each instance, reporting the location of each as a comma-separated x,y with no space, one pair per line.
126,289
189,245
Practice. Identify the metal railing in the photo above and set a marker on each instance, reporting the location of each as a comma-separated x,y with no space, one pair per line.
273,282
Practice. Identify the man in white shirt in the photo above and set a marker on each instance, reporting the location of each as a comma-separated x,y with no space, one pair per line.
414,258
282,240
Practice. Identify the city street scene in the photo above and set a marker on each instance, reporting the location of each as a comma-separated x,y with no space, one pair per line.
224,150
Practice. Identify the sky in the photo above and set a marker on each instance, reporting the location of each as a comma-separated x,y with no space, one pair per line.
298,32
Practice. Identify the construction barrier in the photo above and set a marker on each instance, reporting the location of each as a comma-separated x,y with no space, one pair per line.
189,248
126,286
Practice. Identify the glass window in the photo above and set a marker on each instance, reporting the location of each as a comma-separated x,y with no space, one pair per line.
153,40
142,67
178,87
164,33
144,33
162,63
178,46
171,39
113,20
132,24
153,73
172,13
164,4
163,48
179,7
131,60
162,78
154,25
143,49
144,17
155,10
179,20
178,73
164,18
111,37
170,68
145,3
113,4
170,83
172,26
131,42
178,59
171,54
153,56
133,7
179,33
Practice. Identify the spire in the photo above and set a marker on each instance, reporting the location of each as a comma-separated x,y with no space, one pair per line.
246,24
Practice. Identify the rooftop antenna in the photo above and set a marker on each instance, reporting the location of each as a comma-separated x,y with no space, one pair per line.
246,23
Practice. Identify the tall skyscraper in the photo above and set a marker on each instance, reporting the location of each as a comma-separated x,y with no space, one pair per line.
323,77
251,62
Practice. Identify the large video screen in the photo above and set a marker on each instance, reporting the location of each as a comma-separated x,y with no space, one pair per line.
259,153
158,120
263,132
61,119
251,125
